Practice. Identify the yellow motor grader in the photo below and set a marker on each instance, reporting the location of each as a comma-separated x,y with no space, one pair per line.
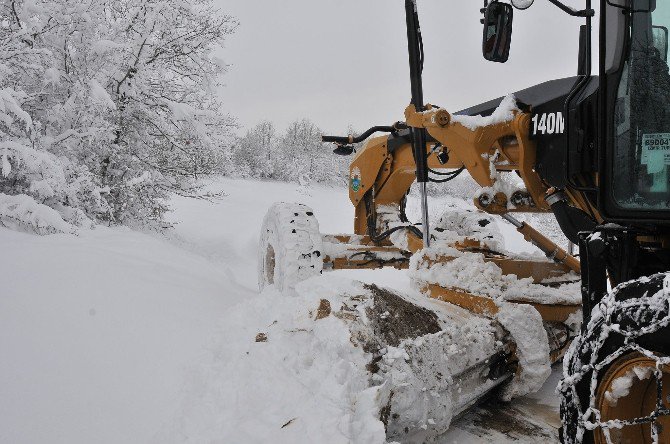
593,150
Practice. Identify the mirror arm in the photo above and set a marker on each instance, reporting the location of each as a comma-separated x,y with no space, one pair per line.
565,8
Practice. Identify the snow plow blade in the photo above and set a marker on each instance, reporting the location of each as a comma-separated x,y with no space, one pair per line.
431,361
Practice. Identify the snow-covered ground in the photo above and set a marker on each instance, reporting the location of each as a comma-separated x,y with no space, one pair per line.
118,336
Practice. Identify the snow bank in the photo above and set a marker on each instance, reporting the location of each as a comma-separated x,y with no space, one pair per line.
23,213
375,367
305,383
97,332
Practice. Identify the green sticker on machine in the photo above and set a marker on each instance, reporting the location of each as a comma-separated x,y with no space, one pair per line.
355,179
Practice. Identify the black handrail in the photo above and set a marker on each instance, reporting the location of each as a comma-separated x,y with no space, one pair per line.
343,140
577,89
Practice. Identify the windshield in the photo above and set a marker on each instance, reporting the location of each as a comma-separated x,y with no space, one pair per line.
642,113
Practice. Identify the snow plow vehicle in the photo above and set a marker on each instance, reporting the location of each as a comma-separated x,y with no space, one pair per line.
593,150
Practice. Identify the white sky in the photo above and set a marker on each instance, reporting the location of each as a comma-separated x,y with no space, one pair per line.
344,62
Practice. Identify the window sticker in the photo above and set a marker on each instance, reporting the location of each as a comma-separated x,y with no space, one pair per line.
656,151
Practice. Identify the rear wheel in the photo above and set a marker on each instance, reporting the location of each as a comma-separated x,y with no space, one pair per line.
290,246
616,373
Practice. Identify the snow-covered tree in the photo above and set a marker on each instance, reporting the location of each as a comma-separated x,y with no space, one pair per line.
107,106
257,153
300,147
298,155
31,175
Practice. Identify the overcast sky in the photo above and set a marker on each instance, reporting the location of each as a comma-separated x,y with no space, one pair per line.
344,62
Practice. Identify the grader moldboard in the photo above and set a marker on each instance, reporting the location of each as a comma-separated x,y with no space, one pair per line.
592,150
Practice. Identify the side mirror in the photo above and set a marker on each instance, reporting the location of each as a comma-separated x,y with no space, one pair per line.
522,4
497,31
660,34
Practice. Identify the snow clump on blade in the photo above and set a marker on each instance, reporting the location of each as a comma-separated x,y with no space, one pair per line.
470,272
525,325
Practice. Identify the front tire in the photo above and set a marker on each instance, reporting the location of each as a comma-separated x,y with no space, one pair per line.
290,248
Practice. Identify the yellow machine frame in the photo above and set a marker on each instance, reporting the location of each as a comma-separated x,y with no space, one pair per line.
483,151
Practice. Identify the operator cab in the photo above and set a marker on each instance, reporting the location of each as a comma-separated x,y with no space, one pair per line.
640,125
617,148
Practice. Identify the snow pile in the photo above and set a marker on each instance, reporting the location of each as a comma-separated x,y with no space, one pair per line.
469,271
387,367
300,381
504,113
456,225
22,213
97,332
532,348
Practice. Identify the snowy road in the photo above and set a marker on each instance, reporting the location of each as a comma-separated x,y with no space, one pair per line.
118,336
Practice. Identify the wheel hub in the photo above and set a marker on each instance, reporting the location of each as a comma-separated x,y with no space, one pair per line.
632,404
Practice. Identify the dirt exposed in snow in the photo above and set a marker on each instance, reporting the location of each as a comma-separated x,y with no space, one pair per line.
532,419
324,309
393,319
496,417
